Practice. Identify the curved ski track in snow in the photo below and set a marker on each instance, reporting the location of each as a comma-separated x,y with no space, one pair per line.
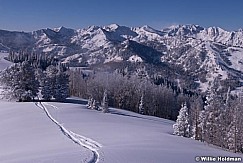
51,105
87,143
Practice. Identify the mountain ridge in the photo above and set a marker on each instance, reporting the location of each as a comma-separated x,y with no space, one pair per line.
201,54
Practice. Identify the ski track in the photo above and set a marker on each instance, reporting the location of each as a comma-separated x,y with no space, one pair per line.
50,105
87,143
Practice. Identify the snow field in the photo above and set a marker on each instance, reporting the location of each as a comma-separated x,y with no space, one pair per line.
80,140
27,136
130,137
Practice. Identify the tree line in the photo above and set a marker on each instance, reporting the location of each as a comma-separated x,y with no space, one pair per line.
25,82
218,121
131,92
37,60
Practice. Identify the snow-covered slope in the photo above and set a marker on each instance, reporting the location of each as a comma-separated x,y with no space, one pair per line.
30,135
3,62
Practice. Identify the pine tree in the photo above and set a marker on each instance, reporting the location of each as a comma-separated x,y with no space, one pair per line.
55,83
48,82
29,82
215,117
46,88
234,137
181,127
201,125
20,82
10,78
61,88
213,120
195,117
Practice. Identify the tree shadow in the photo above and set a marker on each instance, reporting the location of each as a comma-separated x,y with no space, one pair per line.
69,100
75,101
145,117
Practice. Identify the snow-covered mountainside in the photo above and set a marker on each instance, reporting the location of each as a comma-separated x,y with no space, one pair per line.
69,132
3,62
190,53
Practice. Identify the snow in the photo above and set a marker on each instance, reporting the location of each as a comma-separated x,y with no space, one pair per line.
135,58
28,136
146,33
119,32
49,49
114,59
218,34
81,140
214,34
180,30
93,37
212,64
111,27
71,57
236,58
4,63
43,39
46,133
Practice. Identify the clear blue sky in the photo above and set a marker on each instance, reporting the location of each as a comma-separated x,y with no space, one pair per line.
28,15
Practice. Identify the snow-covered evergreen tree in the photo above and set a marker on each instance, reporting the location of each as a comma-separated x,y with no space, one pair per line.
215,117
61,88
182,126
196,107
28,81
48,82
46,88
55,84
212,124
201,124
234,137
10,79
19,82
104,104
141,105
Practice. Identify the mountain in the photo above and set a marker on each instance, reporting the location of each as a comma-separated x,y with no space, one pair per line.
189,55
